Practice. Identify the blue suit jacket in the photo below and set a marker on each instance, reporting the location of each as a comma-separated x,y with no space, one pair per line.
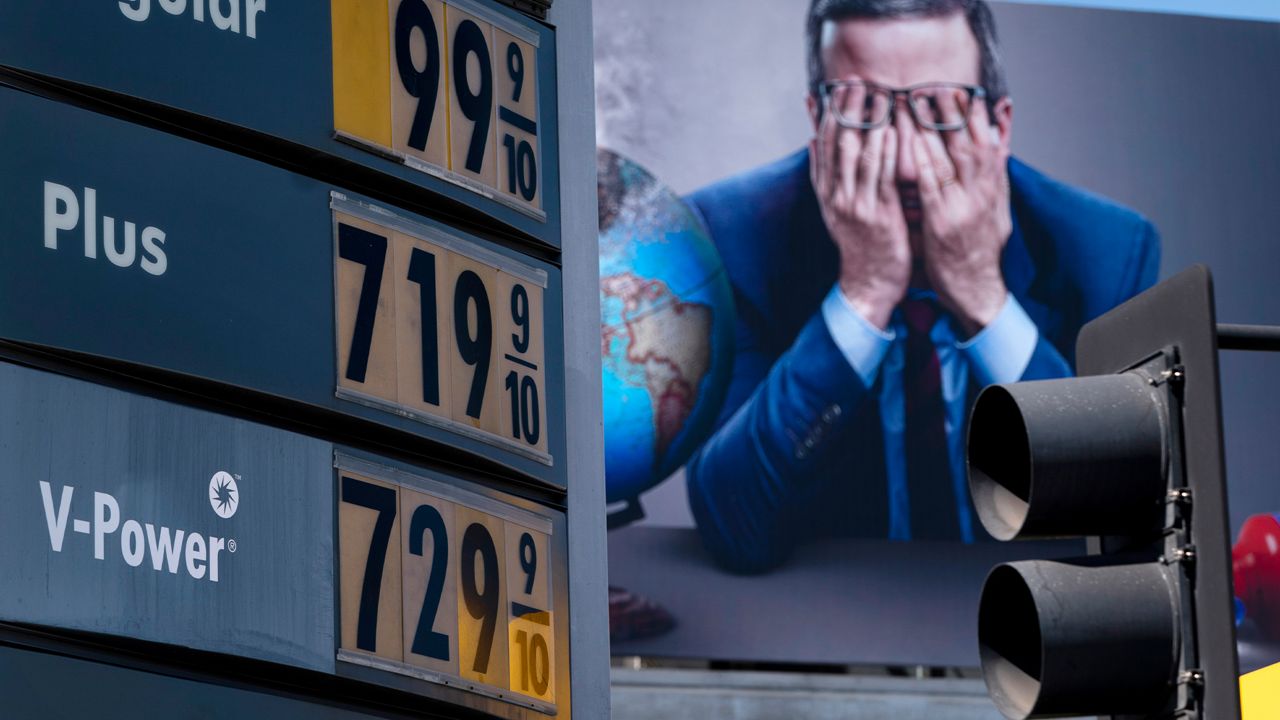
798,450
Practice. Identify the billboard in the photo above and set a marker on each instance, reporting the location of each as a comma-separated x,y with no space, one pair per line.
1043,169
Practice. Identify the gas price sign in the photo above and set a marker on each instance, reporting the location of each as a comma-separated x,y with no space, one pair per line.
435,328
445,585
287,286
448,88
453,96
343,223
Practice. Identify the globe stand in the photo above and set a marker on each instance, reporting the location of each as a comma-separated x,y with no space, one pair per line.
630,512
633,616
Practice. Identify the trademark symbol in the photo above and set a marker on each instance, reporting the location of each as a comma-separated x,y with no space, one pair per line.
231,546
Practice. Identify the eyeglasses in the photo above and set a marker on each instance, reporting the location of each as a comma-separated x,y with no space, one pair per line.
862,105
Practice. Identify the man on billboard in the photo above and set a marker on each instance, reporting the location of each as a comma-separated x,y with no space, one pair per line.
883,276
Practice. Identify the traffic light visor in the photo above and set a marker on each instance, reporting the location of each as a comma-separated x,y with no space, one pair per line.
1070,457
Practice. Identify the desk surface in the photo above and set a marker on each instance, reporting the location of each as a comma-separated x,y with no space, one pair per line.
839,601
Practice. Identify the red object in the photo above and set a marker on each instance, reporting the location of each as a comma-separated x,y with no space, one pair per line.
633,617
1255,563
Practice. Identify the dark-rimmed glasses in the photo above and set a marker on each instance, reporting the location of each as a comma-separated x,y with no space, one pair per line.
860,105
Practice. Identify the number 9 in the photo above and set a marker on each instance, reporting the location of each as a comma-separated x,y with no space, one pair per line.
515,68
478,106
422,85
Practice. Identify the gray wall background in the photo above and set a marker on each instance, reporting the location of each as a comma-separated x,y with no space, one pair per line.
1172,115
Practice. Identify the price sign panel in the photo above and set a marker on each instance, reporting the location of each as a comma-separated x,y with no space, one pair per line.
448,88
125,515
433,327
455,96
442,584
284,287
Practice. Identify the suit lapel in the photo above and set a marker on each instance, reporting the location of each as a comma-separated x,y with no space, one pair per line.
1017,263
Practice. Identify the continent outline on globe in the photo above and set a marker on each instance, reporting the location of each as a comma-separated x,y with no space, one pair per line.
667,322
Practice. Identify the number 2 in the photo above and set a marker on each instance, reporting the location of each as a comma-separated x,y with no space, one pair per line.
426,641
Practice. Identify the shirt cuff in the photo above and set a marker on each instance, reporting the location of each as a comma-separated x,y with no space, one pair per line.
1001,351
861,343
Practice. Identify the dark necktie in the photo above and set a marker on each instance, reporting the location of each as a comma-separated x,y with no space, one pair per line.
929,486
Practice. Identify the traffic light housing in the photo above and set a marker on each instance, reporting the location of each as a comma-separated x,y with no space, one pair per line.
1129,456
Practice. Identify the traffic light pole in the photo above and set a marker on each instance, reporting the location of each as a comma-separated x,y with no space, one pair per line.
1265,338
1129,455
1180,313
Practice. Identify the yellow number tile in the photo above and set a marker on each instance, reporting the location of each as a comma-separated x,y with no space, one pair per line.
430,574
470,72
362,501
366,355
419,266
474,301
482,597
361,66
521,360
516,114
530,631
419,122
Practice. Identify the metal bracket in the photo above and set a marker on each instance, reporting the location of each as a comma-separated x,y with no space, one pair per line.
1178,496
1175,375
1193,680
1191,676
1184,554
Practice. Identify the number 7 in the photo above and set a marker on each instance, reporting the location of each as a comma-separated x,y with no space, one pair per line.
368,249
382,499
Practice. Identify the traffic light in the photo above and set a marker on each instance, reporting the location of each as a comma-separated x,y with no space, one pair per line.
1129,456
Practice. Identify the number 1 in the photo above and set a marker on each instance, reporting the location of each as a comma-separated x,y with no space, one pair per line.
422,270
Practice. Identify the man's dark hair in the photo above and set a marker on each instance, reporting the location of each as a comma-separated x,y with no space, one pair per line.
976,12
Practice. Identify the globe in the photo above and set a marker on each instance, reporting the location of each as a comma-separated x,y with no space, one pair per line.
666,328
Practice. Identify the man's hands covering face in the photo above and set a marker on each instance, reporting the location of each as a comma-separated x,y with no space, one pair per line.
855,177
964,193
964,197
